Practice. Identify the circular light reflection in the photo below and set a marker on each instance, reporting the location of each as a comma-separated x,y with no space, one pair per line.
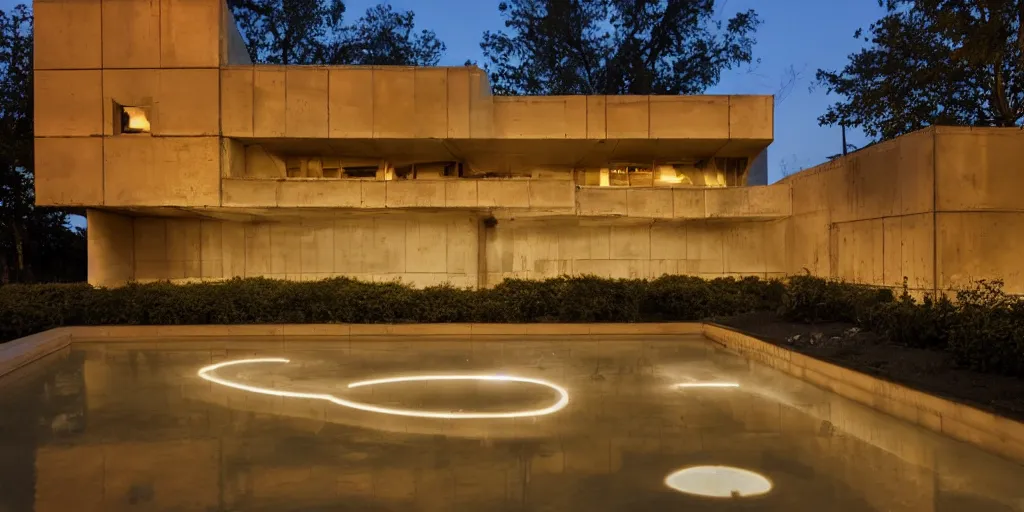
719,482
207,373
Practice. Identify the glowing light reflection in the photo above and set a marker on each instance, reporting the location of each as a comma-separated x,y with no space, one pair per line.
708,385
207,373
719,482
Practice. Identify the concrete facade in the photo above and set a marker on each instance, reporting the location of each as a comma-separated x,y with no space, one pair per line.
420,174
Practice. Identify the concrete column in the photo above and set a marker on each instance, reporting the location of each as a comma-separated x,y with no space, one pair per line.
111,247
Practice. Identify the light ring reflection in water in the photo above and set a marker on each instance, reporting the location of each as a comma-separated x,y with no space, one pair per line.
207,373
719,482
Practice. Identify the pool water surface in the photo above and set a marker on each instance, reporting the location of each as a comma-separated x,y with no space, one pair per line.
432,424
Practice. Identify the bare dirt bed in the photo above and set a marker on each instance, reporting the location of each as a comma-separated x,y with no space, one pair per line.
930,371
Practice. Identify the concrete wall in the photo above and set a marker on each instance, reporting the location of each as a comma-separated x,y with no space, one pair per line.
940,206
425,249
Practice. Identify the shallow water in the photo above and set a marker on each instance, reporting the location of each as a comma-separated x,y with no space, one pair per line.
134,426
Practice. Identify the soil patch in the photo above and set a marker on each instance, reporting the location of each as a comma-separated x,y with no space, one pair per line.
931,371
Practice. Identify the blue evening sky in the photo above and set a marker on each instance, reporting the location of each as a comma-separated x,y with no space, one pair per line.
800,35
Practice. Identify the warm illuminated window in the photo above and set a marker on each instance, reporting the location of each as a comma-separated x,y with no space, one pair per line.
131,119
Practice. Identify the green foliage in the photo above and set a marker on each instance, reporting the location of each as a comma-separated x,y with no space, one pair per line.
313,32
26,309
813,299
615,47
987,331
933,62
35,244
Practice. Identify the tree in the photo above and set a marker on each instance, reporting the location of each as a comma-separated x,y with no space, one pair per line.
312,32
615,46
35,244
383,37
953,62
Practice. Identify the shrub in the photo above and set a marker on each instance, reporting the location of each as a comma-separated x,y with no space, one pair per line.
986,332
813,299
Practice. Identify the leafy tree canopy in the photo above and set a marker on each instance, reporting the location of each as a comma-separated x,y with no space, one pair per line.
35,244
951,62
313,32
615,46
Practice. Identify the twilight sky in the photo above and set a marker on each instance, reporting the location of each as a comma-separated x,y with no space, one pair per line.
802,35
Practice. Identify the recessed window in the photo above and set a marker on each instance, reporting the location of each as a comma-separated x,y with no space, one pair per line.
131,119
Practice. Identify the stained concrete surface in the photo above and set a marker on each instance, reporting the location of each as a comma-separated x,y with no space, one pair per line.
131,426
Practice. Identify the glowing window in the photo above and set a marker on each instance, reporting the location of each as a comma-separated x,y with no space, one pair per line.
131,119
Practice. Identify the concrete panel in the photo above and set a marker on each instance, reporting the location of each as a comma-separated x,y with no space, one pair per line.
628,117
184,248
576,117
602,201
317,248
188,102
744,247
868,189
776,251
766,201
190,33
503,193
463,246
131,34
597,127
285,250
858,249
649,203
236,102
415,193
306,103
530,117
458,103
460,193
917,250
385,250
249,193
807,245
351,238
481,105
704,248
426,244
751,117
431,113
67,35
268,96
916,181
810,187
979,245
688,203
68,103
373,194
688,117
552,194
155,171
69,171
317,193
668,241
211,244
394,99
150,249
257,250
232,249
351,103
110,248
129,87
973,169
630,242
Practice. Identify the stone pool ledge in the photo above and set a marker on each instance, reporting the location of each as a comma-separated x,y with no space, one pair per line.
987,431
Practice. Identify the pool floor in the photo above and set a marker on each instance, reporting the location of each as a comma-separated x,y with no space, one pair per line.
502,424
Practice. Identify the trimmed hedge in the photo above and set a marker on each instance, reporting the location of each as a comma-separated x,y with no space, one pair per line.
983,328
26,309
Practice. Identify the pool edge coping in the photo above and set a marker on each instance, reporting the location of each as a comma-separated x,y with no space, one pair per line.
987,431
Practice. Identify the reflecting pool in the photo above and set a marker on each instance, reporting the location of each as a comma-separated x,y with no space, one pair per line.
390,424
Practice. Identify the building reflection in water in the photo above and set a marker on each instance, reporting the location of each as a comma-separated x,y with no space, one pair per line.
130,426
